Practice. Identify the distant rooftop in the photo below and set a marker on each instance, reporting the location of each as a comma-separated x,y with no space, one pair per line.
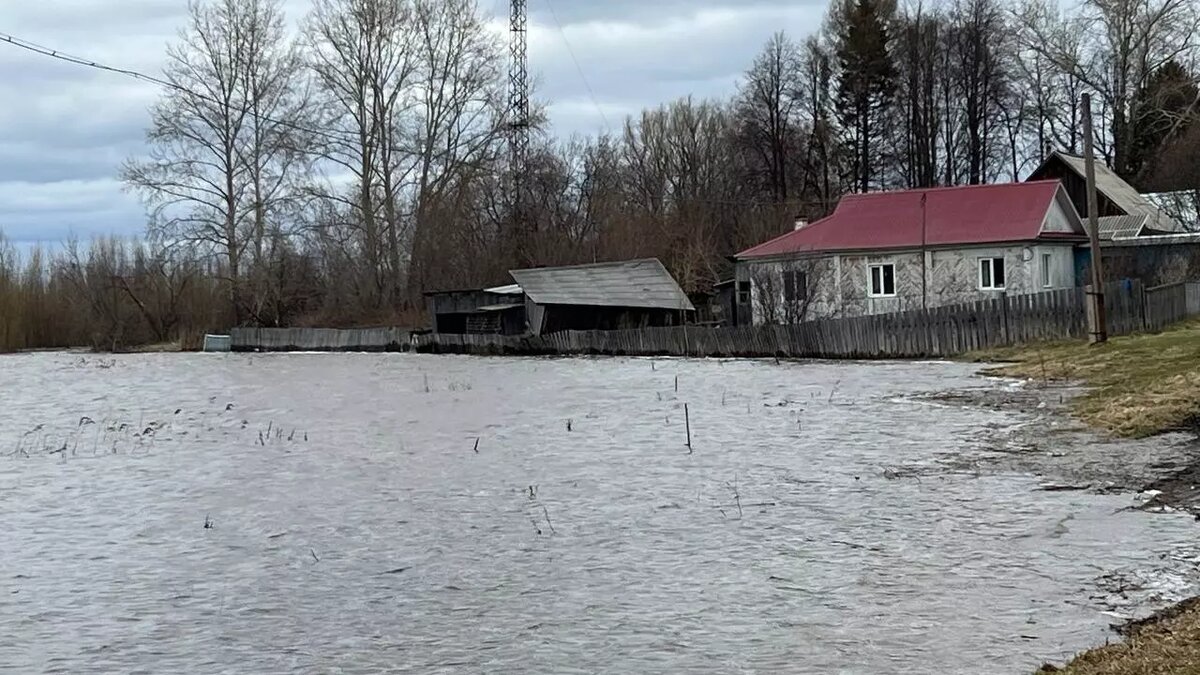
1116,189
642,283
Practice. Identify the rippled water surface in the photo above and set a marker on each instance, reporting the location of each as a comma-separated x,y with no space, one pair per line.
442,514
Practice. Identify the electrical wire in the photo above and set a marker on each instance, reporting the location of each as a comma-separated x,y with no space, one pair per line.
578,68
143,77
134,74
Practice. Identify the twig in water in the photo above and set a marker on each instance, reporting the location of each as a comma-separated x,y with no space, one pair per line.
426,384
269,426
687,422
737,498
676,384
314,555
477,445
547,513
568,424
722,399
834,390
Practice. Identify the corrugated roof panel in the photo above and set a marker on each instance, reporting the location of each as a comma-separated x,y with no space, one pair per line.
511,289
631,283
1122,193
974,214
1121,227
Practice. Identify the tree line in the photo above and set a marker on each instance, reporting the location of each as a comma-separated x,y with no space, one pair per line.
332,174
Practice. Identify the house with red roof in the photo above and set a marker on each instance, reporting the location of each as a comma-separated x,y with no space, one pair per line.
911,249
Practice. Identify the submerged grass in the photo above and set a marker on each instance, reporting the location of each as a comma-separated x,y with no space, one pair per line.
1138,385
1167,644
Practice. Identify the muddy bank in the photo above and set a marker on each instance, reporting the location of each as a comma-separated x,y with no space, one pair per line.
1066,454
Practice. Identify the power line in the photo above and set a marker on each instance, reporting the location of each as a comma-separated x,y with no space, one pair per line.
127,72
137,75
578,68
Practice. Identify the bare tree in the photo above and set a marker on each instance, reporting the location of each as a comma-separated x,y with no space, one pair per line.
918,41
222,153
1114,47
364,55
457,121
785,292
767,109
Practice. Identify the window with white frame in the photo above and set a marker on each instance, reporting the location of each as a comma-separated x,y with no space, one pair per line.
883,281
1047,261
991,274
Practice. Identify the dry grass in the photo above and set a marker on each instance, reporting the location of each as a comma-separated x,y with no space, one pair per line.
1168,645
1139,385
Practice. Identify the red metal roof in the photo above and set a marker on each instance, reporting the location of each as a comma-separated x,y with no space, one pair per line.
971,214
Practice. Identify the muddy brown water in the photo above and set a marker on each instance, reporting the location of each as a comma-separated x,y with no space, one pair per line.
354,527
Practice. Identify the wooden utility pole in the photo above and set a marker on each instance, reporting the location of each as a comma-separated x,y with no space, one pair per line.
1097,321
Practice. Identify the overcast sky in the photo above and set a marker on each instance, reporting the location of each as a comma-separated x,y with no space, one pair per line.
65,129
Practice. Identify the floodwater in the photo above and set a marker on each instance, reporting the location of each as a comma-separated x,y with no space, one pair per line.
402,513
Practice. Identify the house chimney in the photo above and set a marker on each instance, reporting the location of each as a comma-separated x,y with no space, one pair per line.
801,223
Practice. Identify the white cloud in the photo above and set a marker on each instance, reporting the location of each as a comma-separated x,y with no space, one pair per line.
65,129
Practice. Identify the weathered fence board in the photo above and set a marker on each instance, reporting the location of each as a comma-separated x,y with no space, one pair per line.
318,340
937,331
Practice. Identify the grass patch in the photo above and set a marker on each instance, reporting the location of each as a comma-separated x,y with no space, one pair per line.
1139,385
1168,644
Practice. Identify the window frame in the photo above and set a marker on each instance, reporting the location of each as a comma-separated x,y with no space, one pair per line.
795,287
989,263
744,292
1047,278
882,280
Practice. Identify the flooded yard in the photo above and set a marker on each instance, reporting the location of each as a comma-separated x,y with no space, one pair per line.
363,513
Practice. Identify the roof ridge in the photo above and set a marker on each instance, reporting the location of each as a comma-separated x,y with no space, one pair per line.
609,263
947,188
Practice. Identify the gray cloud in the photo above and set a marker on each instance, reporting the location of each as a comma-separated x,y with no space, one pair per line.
65,130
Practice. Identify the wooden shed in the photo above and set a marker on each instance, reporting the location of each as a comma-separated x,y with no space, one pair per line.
494,310
602,296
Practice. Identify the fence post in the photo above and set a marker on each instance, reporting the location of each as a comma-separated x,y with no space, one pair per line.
1006,337
1145,308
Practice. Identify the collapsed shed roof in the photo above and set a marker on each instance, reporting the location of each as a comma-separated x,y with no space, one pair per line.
642,283
1115,188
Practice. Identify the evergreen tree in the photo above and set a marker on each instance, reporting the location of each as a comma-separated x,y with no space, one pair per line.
1162,109
866,80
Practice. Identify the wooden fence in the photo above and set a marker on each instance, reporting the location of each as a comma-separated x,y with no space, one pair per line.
938,331
318,340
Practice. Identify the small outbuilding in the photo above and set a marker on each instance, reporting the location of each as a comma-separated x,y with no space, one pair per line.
602,296
480,311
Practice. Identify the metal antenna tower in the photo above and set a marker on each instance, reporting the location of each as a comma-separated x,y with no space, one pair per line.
518,125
